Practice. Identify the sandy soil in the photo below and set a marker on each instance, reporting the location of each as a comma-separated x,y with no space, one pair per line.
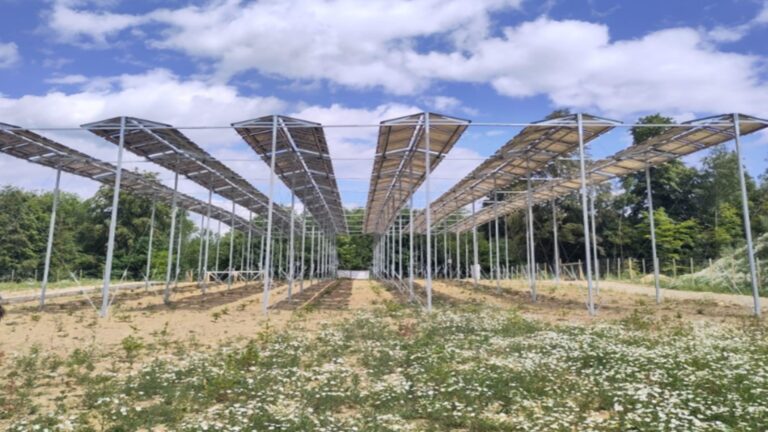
230,314
221,314
566,302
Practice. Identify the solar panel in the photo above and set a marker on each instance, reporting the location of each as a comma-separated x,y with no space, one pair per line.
28,145
529,151
399,167
676,141
169,148
302,162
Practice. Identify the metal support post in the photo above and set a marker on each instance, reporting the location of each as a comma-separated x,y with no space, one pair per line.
652,221
200,251
585,214
747,223
475,253
594,242
556,247
427,209
268,263
231,248
207,239
172,233
303,247
113,223
291,262
531,244
49,245
148,272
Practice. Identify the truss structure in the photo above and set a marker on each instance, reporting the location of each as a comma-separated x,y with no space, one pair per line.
400,167
302,162
168,147
674,142
529,151
30,146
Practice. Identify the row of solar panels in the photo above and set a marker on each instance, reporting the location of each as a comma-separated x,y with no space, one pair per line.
27,145
399,167
301,161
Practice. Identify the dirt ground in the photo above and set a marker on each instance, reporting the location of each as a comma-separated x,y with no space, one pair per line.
566,302
227,314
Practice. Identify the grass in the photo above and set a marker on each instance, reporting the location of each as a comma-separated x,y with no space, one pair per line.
395,368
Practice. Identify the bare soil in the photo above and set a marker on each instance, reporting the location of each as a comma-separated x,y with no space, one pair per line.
230,314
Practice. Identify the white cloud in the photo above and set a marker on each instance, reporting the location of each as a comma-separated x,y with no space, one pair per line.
156,95
404,47
355,44
161,96
9,54
725,34
85,27
67,79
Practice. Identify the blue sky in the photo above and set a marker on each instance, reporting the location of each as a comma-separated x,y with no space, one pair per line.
68,62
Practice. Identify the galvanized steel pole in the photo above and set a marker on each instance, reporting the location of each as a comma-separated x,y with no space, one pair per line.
291,261
169,266
585,214
49,245
427,210
113,222
747,223
148,272
652,221
268,263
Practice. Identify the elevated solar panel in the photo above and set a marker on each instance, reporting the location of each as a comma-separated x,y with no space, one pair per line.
529,151
676,141
303,164
169,148
399,167
27,145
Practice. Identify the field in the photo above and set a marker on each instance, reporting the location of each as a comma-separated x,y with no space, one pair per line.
353,355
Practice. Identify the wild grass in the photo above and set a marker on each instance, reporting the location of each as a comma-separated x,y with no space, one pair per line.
395,368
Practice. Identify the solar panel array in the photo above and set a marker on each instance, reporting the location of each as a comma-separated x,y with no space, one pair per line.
674,142
529,151
400,166
303,164
169,148
30,146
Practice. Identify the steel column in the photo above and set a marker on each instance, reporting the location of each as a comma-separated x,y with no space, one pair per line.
49,245
427,209
557,247
747,223
303,247
652,221
231,248
585,214
169,266
594,241
149,247
291,262
271,191
207,239
475,253
531,241
113,222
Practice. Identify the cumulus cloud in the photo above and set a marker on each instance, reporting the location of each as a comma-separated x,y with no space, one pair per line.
160,95
404,47
9,54
157,95
724,34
